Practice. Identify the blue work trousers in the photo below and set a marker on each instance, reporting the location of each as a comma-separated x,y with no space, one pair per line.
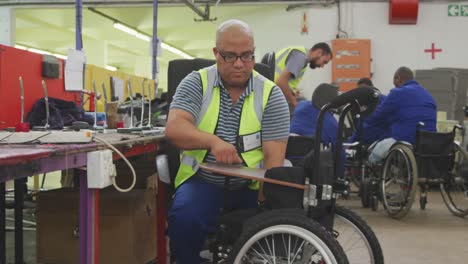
195,212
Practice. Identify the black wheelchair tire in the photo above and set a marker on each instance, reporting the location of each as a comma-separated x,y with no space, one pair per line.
409,199
365,230
287,218
447,195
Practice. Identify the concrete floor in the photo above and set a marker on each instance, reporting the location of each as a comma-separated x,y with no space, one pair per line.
430,236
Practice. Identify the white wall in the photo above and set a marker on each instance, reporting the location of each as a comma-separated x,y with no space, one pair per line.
392,45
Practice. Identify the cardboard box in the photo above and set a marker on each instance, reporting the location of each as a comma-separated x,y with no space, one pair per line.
144,165
127,226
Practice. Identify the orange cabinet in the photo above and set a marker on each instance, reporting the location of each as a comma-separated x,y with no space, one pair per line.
351,61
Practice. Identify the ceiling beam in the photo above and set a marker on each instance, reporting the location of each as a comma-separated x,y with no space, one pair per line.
121,3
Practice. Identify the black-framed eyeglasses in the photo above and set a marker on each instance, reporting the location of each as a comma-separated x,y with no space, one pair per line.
231,57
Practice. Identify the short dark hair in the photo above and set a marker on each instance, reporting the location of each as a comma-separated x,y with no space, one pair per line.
405,74
365,81
324,47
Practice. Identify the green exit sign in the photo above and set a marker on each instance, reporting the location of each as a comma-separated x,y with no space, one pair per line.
453,10
463,10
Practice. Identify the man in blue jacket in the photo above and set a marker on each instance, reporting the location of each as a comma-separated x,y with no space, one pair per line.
405,106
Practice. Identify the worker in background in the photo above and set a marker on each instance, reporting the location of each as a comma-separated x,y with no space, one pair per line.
205,121
404,107
291,63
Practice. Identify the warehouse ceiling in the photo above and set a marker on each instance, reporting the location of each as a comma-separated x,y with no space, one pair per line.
186,25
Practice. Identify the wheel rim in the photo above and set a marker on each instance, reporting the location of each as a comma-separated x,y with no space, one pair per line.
352,240
455,188
396,187
285,244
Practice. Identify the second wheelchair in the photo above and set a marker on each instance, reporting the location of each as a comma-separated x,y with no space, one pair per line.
435,159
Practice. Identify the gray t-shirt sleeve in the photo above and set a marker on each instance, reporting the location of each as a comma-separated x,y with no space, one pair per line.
275,123
188,95
295,62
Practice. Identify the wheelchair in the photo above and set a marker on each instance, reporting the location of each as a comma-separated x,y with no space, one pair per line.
302,223
435,158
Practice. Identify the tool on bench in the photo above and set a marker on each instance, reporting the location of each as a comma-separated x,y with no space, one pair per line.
46,102
149,107
142,118
131,128
95,126
22,126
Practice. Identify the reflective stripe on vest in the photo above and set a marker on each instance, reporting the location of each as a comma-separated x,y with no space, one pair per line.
250,121
281,57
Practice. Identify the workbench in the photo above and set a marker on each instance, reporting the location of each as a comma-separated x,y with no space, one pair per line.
17,162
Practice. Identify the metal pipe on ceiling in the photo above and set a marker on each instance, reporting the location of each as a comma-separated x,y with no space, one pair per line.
96,3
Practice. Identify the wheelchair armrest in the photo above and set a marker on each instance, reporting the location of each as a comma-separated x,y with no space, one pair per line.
162,166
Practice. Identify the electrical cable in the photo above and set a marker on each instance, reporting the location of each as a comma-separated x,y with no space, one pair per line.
35,139
126,161
339,22
7,136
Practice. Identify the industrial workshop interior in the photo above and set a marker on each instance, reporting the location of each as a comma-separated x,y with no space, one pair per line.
233,131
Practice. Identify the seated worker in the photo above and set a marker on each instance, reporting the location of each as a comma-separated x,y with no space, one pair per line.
304,119
291,63
405,106
364,133
226,114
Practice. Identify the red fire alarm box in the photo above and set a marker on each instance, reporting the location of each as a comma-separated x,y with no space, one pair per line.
403,11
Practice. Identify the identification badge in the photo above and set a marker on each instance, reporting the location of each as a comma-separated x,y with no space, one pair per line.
251,141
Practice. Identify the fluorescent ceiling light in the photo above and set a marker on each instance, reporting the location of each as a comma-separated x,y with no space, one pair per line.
147,38
21,47
125,29
40,51
175,50
110,68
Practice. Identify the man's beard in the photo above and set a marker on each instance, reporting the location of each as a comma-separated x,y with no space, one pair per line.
312,63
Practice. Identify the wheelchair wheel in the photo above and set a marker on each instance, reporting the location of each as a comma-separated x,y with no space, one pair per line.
454,189
356,238
283,236
399,181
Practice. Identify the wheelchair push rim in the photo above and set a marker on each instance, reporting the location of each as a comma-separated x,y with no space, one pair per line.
454,188
399,181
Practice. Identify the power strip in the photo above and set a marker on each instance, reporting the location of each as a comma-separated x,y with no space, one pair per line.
100,168
55,137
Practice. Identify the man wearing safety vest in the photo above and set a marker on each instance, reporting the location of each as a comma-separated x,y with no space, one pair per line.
291,63
227,114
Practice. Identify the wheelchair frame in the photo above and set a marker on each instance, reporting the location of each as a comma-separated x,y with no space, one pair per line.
374,180
297,221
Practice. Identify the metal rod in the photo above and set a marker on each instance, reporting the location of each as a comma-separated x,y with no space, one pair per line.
142,116
149,105
104,93
46,100
95,104
154,41
20,186
130,93
2,224
22,98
